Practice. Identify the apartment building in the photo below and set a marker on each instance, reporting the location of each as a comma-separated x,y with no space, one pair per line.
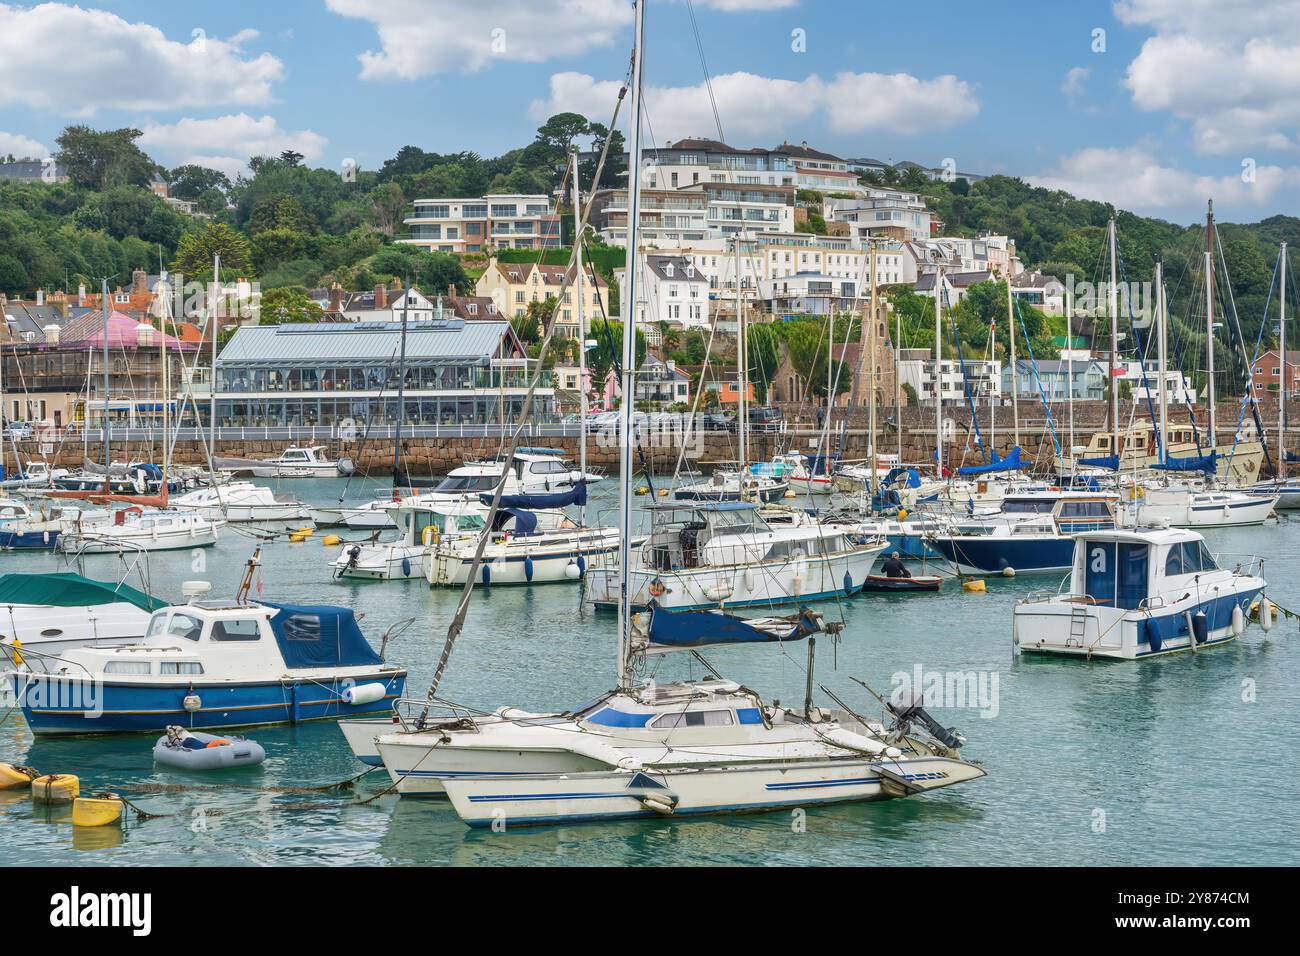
881,213
820,171
511,286
508,221
675,218
669,289
916,368
691,162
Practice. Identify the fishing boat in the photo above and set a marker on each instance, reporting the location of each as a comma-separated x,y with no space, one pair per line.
138,529
296,461
212,664
1142,592
724,485
707,554
419,525
242,502
46,614
1033,534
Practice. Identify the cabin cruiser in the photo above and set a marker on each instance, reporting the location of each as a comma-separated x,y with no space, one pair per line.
419,524
137,529
36,474
1032,534
725,485
1184,506
44,615
213,664
708,554
296,461
533,473
1142,592
1235,464
24,528
243,501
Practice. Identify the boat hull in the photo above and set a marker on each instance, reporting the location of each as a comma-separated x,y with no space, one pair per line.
989,554
451,568
879,582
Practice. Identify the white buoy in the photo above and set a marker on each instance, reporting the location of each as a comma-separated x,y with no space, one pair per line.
192,702
1266,614
364,693
1238,621
1008,572
571,571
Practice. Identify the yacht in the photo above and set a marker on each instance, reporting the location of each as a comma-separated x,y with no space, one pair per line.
725,485
243,501
296,461
419,525
23,528
1142,592
1140,446
1184,506
138,529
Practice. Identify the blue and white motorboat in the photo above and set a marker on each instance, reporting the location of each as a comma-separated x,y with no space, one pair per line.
212,664
1141,592
1032,535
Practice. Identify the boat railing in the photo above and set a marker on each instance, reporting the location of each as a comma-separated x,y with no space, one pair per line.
418,713
1240,563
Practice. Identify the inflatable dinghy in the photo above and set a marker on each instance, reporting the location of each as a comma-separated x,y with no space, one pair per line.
193,750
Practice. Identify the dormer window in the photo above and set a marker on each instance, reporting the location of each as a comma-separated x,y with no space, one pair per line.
668,270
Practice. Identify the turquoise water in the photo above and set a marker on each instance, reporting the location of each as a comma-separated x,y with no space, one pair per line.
1160,762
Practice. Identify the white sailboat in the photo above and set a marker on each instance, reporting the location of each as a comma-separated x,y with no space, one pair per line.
243,501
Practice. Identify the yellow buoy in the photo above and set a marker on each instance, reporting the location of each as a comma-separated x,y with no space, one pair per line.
16,776
642,490
331,540
975,584
306,531
18,652
297,537
663,492
101,810
56,788
902,514
791,494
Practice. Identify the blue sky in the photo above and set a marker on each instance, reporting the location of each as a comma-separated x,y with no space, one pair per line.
1179,101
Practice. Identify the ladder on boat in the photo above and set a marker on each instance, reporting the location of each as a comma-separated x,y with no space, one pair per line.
1078,626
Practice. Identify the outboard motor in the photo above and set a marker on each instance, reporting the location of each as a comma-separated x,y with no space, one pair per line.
909,710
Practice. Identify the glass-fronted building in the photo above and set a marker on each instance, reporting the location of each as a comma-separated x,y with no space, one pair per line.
457,373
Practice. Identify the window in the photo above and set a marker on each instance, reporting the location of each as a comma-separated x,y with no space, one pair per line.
128,667
302,627
180,667
694,718
237,630
182,625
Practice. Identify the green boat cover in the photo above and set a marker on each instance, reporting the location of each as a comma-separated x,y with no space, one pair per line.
65,589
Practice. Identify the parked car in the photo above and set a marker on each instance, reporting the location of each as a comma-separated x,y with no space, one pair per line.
19,431
764,418
717,421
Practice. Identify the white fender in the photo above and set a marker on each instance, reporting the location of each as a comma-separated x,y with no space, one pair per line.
1266,614
1238,621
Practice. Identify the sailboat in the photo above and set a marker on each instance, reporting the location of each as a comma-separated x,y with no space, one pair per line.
647,749
1286,489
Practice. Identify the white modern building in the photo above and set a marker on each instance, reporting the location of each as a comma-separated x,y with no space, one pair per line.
883,213
511,221
916,368
694,161
669,289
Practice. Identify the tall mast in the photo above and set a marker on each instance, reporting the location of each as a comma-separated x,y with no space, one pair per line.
1281,398
1069,374
582,330
629,359
1209,324
1015,372
898,384
938,373
872,361
1113,295
213,325
401,391
1162,329
104,419
164,380
742,371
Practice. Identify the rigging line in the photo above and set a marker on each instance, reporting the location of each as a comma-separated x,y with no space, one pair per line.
704,66
1248,397
1033,364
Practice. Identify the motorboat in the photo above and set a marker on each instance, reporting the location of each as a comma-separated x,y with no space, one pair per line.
36,474
1136,593
242,502
24,528
139,529
419,524
724,485
296,461
210,664
1183,506
710,554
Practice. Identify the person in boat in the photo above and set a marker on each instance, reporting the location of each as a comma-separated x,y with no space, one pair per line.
894,567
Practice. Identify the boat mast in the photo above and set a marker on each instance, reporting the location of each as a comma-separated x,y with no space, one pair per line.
898,384
1281,349
582,332
872,360
213,326
104,419
1015,372
1162,341
401,391
1209,324
629,358
164,382
1069,372
1113,296
742,371
938,376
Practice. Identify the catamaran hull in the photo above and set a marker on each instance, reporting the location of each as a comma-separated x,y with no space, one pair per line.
789,582
63,705
616,795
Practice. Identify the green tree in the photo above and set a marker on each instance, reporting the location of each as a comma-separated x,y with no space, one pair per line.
97,159
289,304
196,249
191,181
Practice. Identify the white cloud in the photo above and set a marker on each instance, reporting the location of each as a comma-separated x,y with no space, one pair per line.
1072,86
755,106
23,147
423,37
74,61
1230,67
227,142
1133,178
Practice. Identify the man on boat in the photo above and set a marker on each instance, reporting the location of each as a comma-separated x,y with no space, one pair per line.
894,568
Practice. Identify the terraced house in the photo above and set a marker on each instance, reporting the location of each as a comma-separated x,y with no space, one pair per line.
511,286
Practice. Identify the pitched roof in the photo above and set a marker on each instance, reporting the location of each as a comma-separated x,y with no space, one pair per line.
352,343
804,151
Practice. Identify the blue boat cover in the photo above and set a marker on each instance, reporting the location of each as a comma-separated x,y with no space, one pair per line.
320,636
1203,463
577,495
1292,457
1011,463
702,628
1105,461
913,476
820,464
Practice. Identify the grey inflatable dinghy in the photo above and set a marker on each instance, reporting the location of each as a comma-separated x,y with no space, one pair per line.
194,750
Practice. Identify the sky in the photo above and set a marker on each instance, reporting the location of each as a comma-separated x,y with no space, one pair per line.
1154,105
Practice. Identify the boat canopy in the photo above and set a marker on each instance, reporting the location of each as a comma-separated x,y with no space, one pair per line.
577,495
1010,463
1203,463
525,521
912,475
320,636
65,589
1104,461
819,464
685,629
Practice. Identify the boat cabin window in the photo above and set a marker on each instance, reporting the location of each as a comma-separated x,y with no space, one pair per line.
457,484
694,718
180,667
740,521
1115,574
547,468
182,625
1189,557
1027,506
135,668
239,629
1085,509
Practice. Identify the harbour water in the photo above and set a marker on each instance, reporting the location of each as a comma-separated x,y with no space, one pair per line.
1188,759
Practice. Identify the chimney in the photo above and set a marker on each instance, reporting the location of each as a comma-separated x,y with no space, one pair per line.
81,294
139,282
336,298
51,334
40,296
144,335
381,296
451,290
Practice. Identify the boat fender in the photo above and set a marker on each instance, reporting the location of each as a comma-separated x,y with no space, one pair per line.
1265,615
848,583
486,575
406,566
1154,639
1200,627
192,702
571,571
1008,572
749,579
582,566
657,803
528,568
1238,621
364,693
